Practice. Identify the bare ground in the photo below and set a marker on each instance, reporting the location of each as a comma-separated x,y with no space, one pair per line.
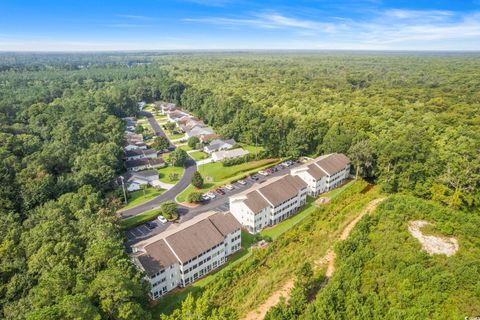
328,258
433,244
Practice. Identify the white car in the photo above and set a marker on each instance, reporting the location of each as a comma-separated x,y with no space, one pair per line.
242,182
211,195
205,197
229,187
263,173
162,219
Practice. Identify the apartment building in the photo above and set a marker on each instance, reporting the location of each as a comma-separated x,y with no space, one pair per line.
182,254
266,204
324,173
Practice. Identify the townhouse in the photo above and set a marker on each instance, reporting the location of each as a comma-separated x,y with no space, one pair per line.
266,204
218,145
182,254
145,163
140,154
229,154
324,173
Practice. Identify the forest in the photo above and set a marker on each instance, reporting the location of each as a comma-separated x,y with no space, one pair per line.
409,122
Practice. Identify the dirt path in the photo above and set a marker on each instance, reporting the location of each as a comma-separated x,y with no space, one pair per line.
328,258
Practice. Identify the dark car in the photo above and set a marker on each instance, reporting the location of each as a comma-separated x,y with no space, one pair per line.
254,177
220,191
151,225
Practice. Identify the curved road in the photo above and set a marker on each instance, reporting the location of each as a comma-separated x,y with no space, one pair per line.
190,168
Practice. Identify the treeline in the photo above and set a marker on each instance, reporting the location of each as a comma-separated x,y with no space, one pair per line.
61,251
410,122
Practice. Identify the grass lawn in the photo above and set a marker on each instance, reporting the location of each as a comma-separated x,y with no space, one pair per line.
198,155
139,197
252,149
175,136
336,192
279,229
139,219
185,147
165,172
222,175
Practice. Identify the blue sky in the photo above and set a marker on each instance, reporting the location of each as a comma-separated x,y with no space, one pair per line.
71,25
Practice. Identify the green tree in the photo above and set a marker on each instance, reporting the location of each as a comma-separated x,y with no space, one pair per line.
362,155
197,180
139,129
169,209
173,176
193,141
170,126
178,157
160,143
194,197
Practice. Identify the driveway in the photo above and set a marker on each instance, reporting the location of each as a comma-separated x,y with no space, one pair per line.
190,168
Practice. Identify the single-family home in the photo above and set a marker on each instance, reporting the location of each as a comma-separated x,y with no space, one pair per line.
168,107
139,178
175,116
145,163
204,138
182,254
140,154
133,137
229,154
324,173
135,146
189,124
266,204
198,131
219,144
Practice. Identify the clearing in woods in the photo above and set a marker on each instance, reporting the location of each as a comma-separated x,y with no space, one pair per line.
329,259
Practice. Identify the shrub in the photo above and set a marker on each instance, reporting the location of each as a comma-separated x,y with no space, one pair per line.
197,180
192,142
194,197
169,210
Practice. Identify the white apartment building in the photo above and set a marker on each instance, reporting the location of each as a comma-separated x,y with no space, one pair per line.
324,173
182,254
266,204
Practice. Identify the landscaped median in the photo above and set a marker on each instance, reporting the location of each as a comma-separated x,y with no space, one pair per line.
139,219
215,174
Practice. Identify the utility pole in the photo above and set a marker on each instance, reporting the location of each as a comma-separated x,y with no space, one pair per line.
123,188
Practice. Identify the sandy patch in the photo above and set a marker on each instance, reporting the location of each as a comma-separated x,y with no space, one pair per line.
432,244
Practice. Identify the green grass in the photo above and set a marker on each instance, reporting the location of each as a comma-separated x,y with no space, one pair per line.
336,192
138,197
279,229
253,149
185,147
175,136
165,172
222,175
198,155
139,219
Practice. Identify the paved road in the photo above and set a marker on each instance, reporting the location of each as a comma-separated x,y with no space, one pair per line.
220,203
155,126
190,168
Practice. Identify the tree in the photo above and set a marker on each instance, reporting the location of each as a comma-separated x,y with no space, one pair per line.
139,129
193,141
170,126
194,197
160,143
197,180
169,209
362,156
178,157
143,187
173,176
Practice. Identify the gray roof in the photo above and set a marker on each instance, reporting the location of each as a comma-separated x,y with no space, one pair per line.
282,189
136,152
158,256
225,222
145,173
200,130
143,162
333,163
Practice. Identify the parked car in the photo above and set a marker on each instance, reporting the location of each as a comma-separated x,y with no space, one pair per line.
242,182
229,187
211,195
205,197
220,191
254,178
269,170
263,173
151,225
162,219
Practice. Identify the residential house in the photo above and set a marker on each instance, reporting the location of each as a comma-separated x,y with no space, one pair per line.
229,154
135,146
204,138
324,173
140,154
137,179
176,115
188,124
219,144
133,137
145,163
168,107
180,255
266,204
198,131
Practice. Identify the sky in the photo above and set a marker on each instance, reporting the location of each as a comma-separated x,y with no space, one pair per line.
104,25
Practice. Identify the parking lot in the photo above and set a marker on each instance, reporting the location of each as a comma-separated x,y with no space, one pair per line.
219,203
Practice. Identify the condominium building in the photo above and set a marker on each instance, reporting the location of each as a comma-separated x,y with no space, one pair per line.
182,254
266,204
324,173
